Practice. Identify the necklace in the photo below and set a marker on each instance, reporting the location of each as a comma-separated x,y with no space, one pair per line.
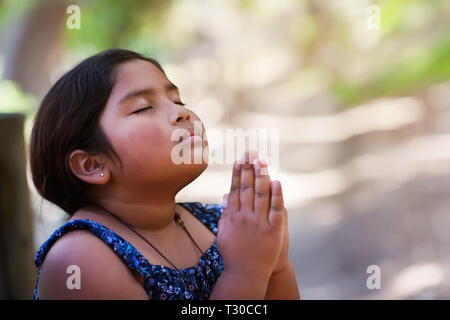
178,221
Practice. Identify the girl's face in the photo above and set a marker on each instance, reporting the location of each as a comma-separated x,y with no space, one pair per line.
139,119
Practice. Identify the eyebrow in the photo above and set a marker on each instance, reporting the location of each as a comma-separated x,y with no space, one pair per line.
148,91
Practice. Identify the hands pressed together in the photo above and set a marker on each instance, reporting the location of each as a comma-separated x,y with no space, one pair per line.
252,235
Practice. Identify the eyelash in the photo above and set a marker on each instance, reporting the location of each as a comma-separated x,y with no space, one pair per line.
143,109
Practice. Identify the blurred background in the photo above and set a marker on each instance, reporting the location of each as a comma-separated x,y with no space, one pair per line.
359,90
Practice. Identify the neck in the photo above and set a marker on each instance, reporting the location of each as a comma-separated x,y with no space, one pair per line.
150,214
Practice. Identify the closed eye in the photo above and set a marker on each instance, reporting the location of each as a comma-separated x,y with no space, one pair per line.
143,109
140,110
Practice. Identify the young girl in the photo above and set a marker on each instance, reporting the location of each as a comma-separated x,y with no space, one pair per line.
102,150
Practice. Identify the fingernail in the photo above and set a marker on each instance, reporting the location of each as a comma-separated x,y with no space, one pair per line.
241,159
247,157
256,164
276,184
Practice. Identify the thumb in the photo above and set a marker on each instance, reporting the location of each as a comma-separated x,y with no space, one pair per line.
222,212
225,200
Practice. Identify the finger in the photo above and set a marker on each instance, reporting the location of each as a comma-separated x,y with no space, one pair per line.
276,204
262,189
247,188
233,197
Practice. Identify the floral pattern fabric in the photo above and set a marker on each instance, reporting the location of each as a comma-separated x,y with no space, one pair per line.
160,282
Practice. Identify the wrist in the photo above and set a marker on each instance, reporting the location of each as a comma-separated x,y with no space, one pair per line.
235,284
238,285
283,285
247,276
283,268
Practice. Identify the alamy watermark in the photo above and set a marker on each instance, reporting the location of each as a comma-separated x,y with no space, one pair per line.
74,280
74,20
373,21
225,147
374,280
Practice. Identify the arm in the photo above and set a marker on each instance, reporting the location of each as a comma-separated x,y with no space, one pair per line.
283,285
102,274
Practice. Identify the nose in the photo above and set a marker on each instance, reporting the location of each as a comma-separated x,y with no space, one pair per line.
180,115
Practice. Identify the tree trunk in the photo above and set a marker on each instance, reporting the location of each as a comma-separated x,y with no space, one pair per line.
17,270
34,46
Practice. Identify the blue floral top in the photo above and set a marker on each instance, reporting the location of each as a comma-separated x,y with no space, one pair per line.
160,282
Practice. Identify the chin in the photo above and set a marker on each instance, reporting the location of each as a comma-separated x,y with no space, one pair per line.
187,173
191,154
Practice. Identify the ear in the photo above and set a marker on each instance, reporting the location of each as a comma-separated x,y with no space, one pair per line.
88,168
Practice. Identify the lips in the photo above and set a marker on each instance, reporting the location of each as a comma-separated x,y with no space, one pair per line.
189,134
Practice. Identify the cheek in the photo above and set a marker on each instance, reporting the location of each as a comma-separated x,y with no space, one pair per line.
144,148
146,135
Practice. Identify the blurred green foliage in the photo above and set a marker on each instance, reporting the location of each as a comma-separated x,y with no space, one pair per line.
420,64
406,77
107,24
312,29
14,100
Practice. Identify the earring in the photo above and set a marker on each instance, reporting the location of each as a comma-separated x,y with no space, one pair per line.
102,174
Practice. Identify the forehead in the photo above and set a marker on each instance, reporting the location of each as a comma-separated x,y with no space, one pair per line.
138,74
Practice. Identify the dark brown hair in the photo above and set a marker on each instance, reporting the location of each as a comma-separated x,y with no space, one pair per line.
68,119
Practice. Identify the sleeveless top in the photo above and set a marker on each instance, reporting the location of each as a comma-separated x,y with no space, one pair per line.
160,282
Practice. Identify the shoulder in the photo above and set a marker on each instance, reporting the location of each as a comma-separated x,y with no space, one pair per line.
81,266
